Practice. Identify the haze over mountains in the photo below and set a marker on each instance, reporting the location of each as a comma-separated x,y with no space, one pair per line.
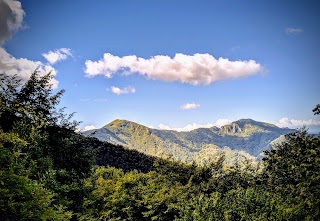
244,138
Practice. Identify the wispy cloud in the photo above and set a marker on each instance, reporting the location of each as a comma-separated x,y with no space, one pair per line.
285,122
127,90
291,31
189,106
193,126
100,100
57,55
193,69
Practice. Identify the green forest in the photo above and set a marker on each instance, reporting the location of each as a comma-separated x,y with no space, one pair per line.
48,171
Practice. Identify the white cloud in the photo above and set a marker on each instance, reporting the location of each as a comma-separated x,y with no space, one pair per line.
293,30
285,122
193,126
11,17
127,90
188,127
23,67
189,106
89,127
193,69
149,126
57,55
222,122
166,127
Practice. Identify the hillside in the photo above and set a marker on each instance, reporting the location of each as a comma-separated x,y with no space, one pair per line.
242,137
51,172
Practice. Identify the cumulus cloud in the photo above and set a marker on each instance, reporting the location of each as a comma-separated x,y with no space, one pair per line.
222,122
89,127
189,106
149,126
57,55
23,67
188,127
285,122
193,126
293,30
11,17
127,90
193,69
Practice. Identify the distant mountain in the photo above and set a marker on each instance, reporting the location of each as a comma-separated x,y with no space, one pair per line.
244,138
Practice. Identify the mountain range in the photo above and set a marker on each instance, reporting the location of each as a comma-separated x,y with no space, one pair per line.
242,139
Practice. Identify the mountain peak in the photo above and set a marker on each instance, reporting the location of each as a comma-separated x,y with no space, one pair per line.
246,127
124,125
243,122
119,122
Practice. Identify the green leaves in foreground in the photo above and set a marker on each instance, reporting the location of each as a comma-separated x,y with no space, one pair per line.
21,196
49,172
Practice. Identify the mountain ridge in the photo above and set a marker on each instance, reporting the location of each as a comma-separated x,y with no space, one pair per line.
239,122
242,136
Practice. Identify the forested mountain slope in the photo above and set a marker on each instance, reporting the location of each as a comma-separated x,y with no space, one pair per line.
242,136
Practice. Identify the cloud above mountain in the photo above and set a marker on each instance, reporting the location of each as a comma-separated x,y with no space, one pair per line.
193,126
197,69
285,122
89,127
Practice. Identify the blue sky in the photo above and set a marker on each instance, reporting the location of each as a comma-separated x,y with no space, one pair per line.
168,64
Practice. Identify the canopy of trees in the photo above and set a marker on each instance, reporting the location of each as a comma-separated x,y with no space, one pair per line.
50,172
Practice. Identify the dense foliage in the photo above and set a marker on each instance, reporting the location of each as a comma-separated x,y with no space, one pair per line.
50,172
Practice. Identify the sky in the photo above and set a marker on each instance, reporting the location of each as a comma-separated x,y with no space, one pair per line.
170,64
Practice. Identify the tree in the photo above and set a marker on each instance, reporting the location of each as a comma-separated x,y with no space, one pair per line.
31,102
292,168
316,110
56,159
21,196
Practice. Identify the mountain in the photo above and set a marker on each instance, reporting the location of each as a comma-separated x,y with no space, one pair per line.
244,138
